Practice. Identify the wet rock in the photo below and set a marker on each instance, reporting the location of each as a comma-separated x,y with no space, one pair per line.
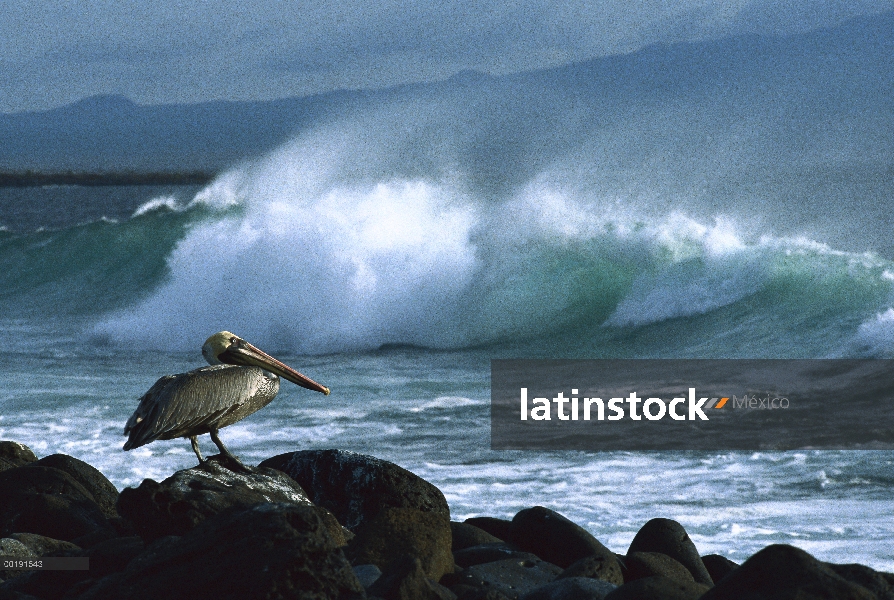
41,545
14,454
395,532
356,487
718,566
638,565
669,537
406,580
880,584
367,574
47,501
103,491
572,588
477,555
188,497
783,572
271,551
554,538
14,549
659,588
510,577
598,566
499,528
466,535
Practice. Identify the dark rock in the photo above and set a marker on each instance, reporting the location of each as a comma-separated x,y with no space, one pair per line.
554,538
465,592
783,572
188,497
10,595
406,580
477,555
638,565
47,501
718,566
367,574
511,577
875,582
41,545
572,588
598,566
104,493
466,535
356,487
669,537
14,454
270,551
659,588
14,548
499,528
395,532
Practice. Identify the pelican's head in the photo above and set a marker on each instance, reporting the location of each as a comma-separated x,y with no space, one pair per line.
227,348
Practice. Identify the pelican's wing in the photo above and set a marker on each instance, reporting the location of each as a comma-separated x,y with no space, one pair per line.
185,404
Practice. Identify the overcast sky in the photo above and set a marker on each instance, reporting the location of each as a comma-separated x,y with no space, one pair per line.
53,53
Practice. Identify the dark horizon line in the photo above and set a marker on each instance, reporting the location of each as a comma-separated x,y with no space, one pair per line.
104,178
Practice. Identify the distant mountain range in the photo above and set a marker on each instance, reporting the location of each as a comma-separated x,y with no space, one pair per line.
849,67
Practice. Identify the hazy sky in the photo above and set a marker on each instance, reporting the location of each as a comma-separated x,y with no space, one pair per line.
53,53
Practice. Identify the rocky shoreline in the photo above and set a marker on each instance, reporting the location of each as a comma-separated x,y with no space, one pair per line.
330,524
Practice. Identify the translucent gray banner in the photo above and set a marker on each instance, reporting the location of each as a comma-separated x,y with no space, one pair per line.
692,404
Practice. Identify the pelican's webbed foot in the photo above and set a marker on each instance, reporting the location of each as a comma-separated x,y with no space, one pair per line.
233,463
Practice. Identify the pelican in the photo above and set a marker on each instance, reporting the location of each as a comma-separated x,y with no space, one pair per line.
241,380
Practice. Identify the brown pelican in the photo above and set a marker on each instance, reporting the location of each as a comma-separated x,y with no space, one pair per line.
241,380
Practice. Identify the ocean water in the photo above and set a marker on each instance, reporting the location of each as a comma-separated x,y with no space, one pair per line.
392,252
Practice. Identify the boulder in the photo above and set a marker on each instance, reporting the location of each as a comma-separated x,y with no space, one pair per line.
499,528
14,549
466,535
188,497
718,566
510,577
356,487
485,553
669,537
14,454
395,532
880,584
783,572
48,502
272,551
554,538
41,545
103,491
638,565
406,580
598,566
659,588
572,588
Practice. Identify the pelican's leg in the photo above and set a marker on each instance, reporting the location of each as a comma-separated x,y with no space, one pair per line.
225,452
195,448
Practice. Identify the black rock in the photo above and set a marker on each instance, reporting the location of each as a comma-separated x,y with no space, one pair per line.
572,588
638,565
669,537
880,584
270,551
103,491
48,502
466,535
14,454
598,566
42,545
406,580
659,588
511,577
356,487
367,574
394,533
718,566
554,538
499,528
14,548
188,497
485,553
783,572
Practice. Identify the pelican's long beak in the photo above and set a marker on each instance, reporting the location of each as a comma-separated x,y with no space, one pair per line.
248,355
